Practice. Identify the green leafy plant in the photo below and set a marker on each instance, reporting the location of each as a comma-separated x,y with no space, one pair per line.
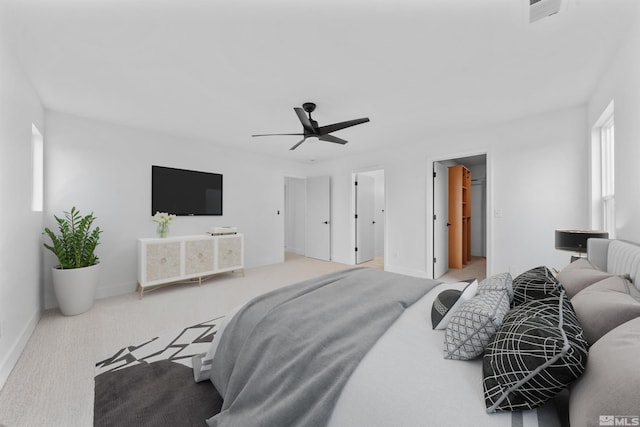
76,242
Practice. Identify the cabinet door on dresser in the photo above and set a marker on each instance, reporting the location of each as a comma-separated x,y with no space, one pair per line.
199,256
229,252
162,261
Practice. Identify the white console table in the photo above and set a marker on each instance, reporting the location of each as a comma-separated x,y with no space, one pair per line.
170,260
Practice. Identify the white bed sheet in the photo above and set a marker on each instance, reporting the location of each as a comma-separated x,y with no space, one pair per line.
404,380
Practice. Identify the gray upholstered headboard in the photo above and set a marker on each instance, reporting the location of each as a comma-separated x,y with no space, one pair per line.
615,256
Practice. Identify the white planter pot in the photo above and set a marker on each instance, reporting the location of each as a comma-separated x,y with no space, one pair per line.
75,288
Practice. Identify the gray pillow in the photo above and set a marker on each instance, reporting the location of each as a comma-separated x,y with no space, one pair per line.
605,305
473,324
610,383
578,275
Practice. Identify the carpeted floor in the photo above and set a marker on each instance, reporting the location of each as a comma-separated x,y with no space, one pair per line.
53,382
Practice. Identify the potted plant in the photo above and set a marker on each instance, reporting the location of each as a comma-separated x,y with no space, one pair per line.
75,278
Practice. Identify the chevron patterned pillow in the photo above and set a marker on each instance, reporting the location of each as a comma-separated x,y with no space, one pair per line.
538,351
497,282
473,324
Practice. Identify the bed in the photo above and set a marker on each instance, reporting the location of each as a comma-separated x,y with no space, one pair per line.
359,347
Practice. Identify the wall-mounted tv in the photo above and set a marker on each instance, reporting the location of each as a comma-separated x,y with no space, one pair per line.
185,192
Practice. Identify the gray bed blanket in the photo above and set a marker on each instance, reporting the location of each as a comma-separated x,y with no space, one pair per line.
285,357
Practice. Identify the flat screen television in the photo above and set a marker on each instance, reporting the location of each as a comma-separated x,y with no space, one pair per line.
185,192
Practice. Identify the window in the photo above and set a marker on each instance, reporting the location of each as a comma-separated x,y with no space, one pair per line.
603,215
37,167
607,155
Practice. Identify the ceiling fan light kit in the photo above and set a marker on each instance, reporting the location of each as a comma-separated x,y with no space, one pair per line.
311,129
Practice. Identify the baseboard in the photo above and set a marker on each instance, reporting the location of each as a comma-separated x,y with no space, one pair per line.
275,260
299,251
15,351
130,287
406,271
115,290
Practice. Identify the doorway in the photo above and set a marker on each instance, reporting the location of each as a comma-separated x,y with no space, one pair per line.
369,218
476,236
307,217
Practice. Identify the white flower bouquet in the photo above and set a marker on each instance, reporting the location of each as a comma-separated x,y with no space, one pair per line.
163,219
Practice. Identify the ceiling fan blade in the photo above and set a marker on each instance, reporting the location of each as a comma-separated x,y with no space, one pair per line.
277,134
323,130
331,138
306,123
296,146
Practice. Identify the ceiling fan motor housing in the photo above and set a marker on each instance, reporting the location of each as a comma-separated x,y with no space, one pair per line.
309,107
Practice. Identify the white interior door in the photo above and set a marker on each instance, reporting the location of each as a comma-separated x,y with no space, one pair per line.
440,217
318,228
365,218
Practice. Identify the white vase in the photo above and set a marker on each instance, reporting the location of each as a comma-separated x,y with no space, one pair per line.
75,288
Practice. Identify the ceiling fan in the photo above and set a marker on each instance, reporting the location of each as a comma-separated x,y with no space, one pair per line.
310,127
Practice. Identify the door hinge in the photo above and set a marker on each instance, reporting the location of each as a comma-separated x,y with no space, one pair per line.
355,183
356,216
434,217
356,249
434,174
434,260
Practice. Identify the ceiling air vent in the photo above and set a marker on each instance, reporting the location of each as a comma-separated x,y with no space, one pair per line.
539,9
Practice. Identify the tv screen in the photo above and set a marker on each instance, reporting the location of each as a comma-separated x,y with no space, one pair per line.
185,192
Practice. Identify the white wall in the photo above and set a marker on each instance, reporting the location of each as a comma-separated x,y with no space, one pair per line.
621,83
295,214
536,177
20,228
106,169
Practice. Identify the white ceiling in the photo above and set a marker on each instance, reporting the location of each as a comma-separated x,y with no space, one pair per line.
221,70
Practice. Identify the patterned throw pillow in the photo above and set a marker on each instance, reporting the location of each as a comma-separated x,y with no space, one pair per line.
497,282
533,284
537,352
448,301
473,324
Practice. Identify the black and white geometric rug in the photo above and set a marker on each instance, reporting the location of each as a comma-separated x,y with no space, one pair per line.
152,383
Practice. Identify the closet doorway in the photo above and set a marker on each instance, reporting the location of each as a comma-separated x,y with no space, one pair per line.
463,206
